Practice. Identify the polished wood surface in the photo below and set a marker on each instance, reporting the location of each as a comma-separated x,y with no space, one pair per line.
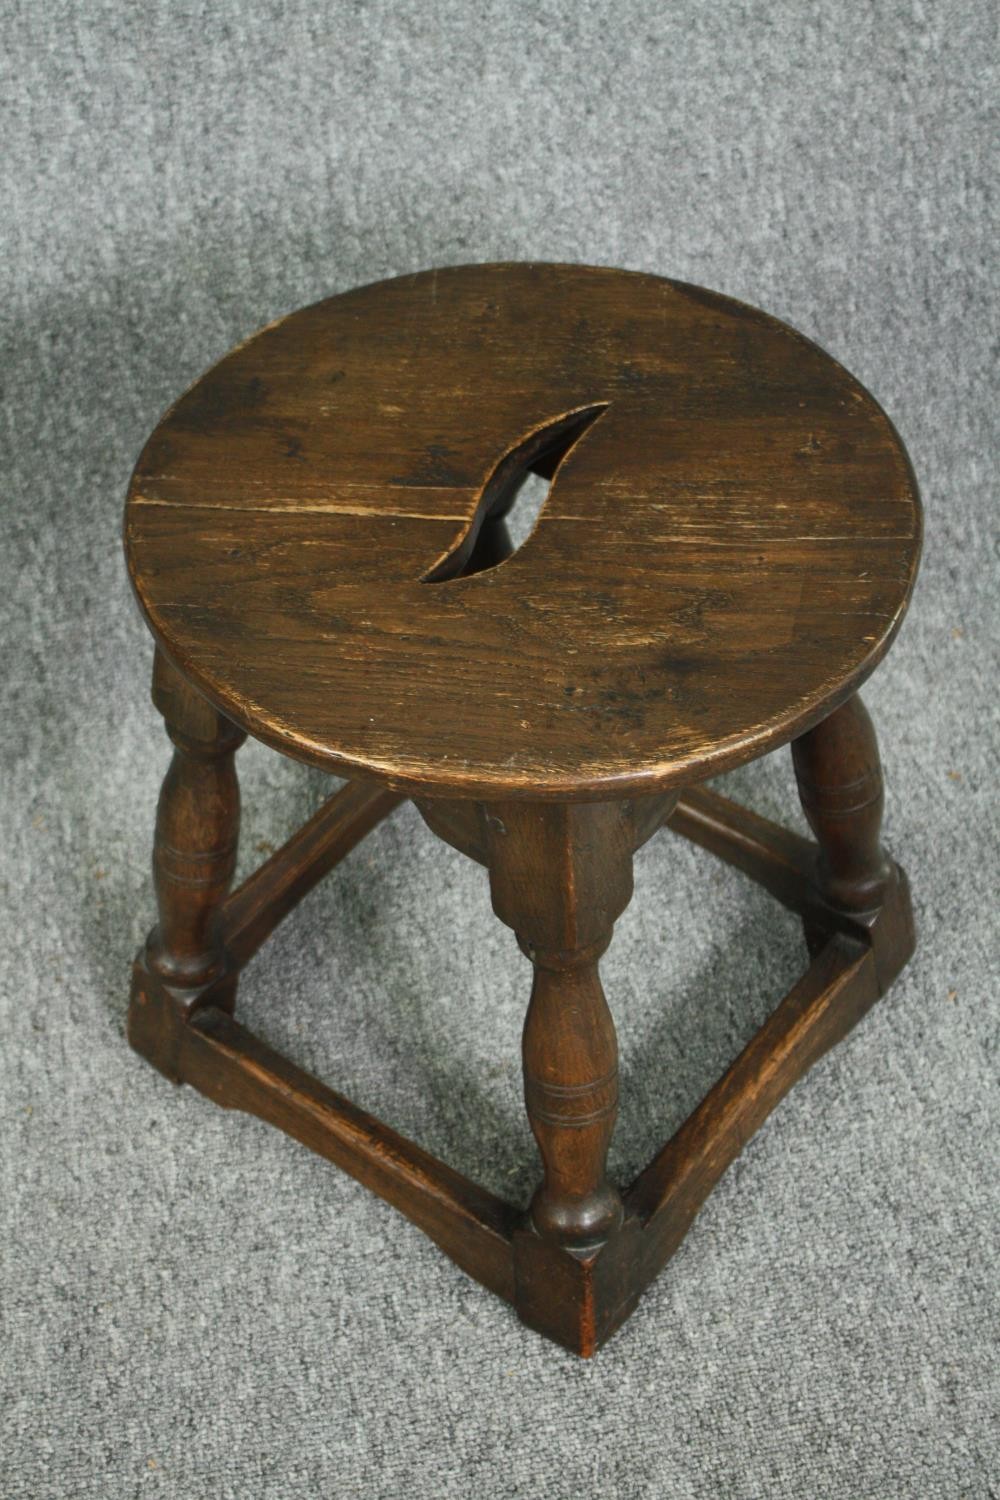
315,533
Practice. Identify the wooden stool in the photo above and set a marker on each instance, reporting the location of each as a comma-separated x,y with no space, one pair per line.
316,536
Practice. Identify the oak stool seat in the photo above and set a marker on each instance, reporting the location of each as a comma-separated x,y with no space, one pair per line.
316,533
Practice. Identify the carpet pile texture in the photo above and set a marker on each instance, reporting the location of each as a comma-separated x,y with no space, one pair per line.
192,1305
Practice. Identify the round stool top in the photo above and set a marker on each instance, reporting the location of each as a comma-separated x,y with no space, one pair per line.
725,552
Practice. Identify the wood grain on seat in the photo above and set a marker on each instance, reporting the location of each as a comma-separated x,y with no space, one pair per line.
726,551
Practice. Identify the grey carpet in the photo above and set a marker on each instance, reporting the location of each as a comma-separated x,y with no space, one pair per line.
194,1306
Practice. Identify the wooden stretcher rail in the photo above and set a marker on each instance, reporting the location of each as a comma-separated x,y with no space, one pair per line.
231,1066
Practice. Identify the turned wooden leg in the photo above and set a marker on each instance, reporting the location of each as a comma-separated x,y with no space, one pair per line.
570,1055
560,875
840,784
197,830
194,858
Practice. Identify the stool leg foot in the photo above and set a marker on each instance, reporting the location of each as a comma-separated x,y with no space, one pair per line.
184,963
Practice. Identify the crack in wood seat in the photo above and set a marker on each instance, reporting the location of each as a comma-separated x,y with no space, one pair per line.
316,535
